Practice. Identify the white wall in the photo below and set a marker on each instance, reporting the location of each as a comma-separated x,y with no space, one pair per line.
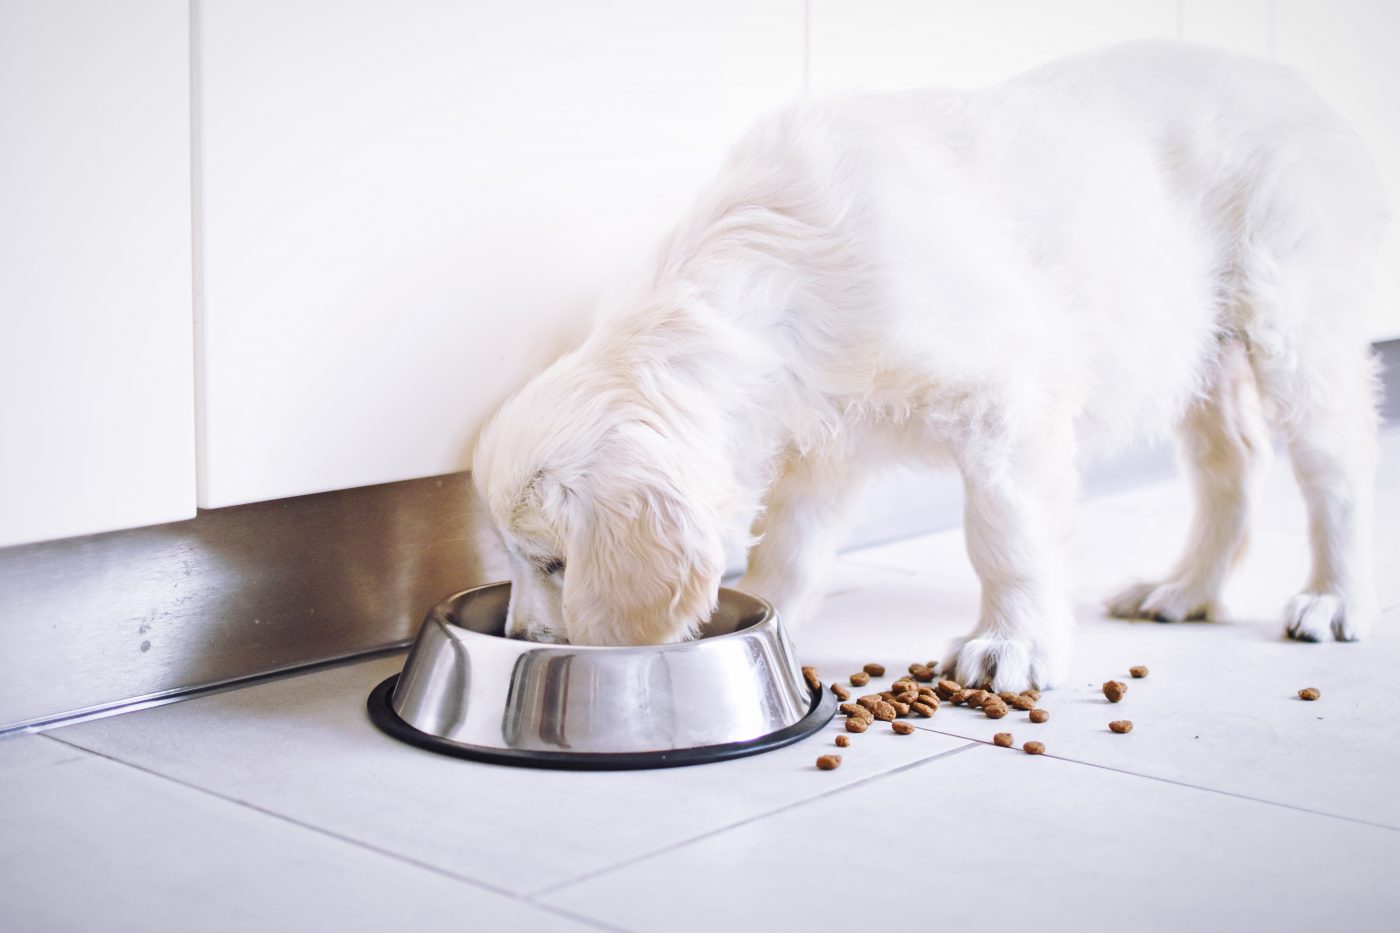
96,369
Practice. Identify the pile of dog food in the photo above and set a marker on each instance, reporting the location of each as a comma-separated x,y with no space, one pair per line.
921,693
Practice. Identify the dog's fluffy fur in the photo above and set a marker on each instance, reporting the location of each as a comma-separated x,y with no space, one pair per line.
1148,236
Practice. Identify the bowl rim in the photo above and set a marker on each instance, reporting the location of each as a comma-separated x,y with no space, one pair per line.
770,618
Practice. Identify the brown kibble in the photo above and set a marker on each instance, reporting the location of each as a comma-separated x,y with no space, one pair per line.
1021,703
1007,695
809,674
1033,694
841,692
874,670
1114,690
860,679
884,712
857,724
923,675
1121,726
902,728
1309,693
1002,739
946,688
829,762
843,740
900,709
852,709
869,700
1034,748
1138,671
923,709
994,709
1039,715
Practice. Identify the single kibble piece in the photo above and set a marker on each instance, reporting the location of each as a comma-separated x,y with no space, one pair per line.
1138,671
923,709
809,674
995,710
869,700
924,675
860,679
857,724
843,740
852,709
1121,726
946,688
829,762
1021,703
1003,739
1114,690
841,692
1039,715
903,728
1309,693
1007,695
884,712
1034,748
900,709
1033,694
874,670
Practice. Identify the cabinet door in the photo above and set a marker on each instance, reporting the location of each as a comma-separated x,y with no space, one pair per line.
96,351
1347,47
408,207
895,44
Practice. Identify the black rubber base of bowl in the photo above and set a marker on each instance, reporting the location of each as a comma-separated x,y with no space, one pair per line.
381,713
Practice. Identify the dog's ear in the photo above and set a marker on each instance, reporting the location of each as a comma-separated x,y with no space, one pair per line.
645,557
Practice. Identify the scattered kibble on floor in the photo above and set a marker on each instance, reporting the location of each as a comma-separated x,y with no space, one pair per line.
1114,690
1138,671
829,762
1309,693
1034,748
1003,739
874,670
1039,715
1121,726
843,740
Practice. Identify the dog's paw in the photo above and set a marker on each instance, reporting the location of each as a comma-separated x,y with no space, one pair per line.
1163,601
1014,664
1315,616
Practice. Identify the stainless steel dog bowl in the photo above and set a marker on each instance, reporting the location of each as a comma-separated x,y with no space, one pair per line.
468,691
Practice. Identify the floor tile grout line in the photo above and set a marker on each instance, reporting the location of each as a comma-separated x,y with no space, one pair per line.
1166,780
554,888
356,843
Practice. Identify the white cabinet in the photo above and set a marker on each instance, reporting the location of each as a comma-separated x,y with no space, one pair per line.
406,208
96,370
893,44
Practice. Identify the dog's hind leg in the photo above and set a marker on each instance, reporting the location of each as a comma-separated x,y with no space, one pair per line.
1225,447
804,515
1324,395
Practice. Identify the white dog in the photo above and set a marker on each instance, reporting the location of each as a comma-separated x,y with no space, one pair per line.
1110,245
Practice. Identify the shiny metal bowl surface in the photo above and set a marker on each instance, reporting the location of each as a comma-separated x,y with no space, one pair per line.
468,691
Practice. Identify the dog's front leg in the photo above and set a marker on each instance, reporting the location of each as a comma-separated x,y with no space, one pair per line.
804,515
1017,498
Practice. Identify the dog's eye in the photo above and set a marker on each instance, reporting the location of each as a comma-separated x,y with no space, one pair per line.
551,567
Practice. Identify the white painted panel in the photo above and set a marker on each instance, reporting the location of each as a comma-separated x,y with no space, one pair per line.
1237,25
409,207
892,44
96,384
1348,48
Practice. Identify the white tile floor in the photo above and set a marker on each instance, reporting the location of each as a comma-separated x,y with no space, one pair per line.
1231,806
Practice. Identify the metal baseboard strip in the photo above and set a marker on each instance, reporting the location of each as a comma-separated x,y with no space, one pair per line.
103,624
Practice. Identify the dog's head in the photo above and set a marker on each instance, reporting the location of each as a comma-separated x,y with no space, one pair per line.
611,537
